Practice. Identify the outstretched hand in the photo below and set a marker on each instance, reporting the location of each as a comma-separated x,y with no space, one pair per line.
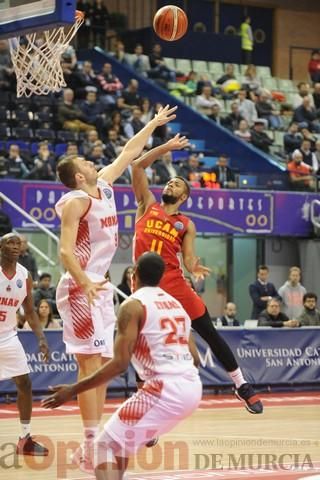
164,115
177,142
200,271
92,289
62,394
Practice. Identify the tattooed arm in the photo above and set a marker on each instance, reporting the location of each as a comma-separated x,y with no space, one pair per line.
130,316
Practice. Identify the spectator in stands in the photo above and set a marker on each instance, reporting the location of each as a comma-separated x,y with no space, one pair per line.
314,66
140,62
291,293
261,291
164,169
306,116
206,101
86,79
45,314
92,110
273,317
267,110
316,95
120,54
130,94
7,76
191,170
228,319
90,140
134,124
70,116
116,122
234,118
286,115
43,164
125,284
146,109
159,70
72,149
224,174
113,146
5,221
45,291
225,79
251,82
109,84
303,91
243,131
15,165
307,135
317,152
292,139
191,82
308,156
246,40
99,20
247,108
204,81
27,259
259,138
310,315
300,174
97,156
215,114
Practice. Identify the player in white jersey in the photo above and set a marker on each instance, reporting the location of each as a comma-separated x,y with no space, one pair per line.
154,332
89,238
16,290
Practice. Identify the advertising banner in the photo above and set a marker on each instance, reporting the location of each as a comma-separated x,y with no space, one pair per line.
213,211
266,356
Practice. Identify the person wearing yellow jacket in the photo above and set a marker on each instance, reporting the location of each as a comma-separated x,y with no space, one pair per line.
246,41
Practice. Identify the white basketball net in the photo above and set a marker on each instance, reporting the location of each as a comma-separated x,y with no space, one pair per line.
36,59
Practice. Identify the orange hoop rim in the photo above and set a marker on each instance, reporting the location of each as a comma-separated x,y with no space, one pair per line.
79,15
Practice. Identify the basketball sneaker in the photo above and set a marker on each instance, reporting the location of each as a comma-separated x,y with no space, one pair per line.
82,458
28,446
250,398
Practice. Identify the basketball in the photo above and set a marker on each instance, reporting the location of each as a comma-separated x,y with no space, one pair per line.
170,23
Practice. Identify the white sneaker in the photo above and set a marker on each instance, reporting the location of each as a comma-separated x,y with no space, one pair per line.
82,458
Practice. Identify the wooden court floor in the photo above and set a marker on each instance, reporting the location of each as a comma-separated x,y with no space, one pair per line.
221,440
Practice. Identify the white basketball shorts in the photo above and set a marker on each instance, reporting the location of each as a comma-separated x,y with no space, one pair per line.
13,360
87,329
154,410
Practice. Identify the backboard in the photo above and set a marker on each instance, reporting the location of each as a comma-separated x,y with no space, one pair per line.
18,17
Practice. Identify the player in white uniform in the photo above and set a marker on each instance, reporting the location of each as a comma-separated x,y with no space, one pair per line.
89,237
16,290
154,331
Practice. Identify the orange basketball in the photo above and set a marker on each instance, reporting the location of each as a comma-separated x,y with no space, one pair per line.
170,23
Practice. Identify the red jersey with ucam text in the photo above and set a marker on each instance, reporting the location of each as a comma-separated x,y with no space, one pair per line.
13,291
97,237
162,346
156,231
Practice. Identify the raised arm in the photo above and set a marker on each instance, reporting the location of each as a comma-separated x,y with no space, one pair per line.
135,145
190,260
130,316
140,183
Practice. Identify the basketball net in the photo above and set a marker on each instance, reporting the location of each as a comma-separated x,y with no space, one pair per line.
36,58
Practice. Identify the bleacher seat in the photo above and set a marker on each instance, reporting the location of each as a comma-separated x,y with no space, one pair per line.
5,131
3,114
209,162
21,133
183,65
270,83
5,98
21,144
60,149
216,68
263,72
35,145
170,62
200,66
67,136
45,134
285,85
278,137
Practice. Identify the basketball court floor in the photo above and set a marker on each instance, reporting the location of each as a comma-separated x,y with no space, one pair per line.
220,441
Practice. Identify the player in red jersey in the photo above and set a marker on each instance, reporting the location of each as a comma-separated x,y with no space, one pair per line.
161,228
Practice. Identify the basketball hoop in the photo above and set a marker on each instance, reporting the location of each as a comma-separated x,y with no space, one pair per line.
36,58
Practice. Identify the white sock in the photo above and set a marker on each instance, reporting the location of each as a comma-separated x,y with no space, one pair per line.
25,429
90,433
237,377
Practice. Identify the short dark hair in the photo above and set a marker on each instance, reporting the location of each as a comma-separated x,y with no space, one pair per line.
263,267
186,184
309,295
66,170
44,275
150,268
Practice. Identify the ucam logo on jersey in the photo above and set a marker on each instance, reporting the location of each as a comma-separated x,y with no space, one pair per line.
107,192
